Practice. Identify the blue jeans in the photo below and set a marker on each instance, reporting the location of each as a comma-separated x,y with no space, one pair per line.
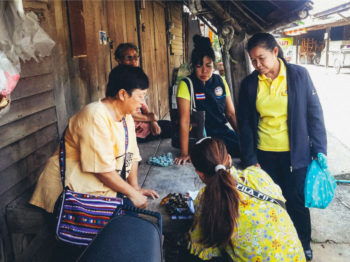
229,137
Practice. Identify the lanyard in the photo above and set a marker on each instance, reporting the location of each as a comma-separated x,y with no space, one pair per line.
62,154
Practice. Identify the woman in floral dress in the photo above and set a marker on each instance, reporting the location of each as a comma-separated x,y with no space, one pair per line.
232,224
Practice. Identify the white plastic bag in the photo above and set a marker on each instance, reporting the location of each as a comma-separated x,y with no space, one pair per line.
21,35
9,75
30,39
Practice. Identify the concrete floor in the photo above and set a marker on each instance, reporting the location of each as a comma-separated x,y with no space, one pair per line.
331,226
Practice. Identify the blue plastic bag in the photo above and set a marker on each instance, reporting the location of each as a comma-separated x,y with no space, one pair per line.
319,184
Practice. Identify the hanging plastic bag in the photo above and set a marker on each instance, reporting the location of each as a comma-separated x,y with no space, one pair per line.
319,184
9,75
30,39
21,35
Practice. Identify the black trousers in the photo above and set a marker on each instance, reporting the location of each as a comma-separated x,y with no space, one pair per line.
277,165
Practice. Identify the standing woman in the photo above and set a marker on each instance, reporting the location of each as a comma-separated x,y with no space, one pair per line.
212,96
281,125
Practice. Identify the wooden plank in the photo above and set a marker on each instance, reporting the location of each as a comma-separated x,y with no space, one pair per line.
112,21
17,130
28,106
42,242
32,86
177,29
97,54
23,217
148,55
177,51
15,191
177,21
130,21
161,58
33,68
77,28
21,149
176,47
178,37
26,167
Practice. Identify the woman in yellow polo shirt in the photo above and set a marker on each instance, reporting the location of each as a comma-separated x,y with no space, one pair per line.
281,125
212,95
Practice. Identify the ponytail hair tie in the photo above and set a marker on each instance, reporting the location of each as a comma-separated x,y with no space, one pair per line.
218,167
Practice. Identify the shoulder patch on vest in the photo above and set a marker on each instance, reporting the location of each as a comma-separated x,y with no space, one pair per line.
218,91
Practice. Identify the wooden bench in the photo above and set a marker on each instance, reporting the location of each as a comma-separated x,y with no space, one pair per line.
32,240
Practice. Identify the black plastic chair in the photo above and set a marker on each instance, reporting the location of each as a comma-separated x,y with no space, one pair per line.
127,238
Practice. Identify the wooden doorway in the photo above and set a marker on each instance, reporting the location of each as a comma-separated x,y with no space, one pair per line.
154,55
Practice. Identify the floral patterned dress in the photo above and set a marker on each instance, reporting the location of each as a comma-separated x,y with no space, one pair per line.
264,231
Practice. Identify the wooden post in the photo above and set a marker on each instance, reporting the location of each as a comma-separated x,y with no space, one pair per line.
327,37
239,67
227,67
296,38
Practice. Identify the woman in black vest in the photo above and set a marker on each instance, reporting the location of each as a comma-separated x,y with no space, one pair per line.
212,95
281,125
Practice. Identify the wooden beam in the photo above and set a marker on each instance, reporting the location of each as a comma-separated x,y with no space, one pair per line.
25,168
23,148
29,106
328,32
247,15
17,130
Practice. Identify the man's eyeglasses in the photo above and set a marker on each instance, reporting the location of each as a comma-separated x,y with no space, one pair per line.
130,58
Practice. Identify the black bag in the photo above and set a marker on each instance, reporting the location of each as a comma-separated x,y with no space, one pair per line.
126,238
197,120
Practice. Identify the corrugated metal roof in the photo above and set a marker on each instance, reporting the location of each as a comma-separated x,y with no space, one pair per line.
251,16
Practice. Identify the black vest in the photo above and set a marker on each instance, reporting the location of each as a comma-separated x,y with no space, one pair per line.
210,98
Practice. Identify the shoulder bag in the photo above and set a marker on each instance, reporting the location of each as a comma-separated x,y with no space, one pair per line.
259,195
82,215
197,120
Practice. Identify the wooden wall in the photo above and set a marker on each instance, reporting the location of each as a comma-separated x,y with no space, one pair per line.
52,90
176,49
153,48
29,130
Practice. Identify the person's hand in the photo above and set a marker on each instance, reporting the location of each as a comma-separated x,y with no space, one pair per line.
257,165
181,160
149,193
155,128
152,116
139,199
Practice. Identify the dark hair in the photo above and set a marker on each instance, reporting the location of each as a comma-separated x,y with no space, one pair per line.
220,200
126,77
119,52
202,48
266,41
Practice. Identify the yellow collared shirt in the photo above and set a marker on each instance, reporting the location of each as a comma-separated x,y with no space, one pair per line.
272,104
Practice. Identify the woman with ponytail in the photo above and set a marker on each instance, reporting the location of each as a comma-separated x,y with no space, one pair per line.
212,95
231,225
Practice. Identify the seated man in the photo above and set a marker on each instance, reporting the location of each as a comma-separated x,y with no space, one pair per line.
146,122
